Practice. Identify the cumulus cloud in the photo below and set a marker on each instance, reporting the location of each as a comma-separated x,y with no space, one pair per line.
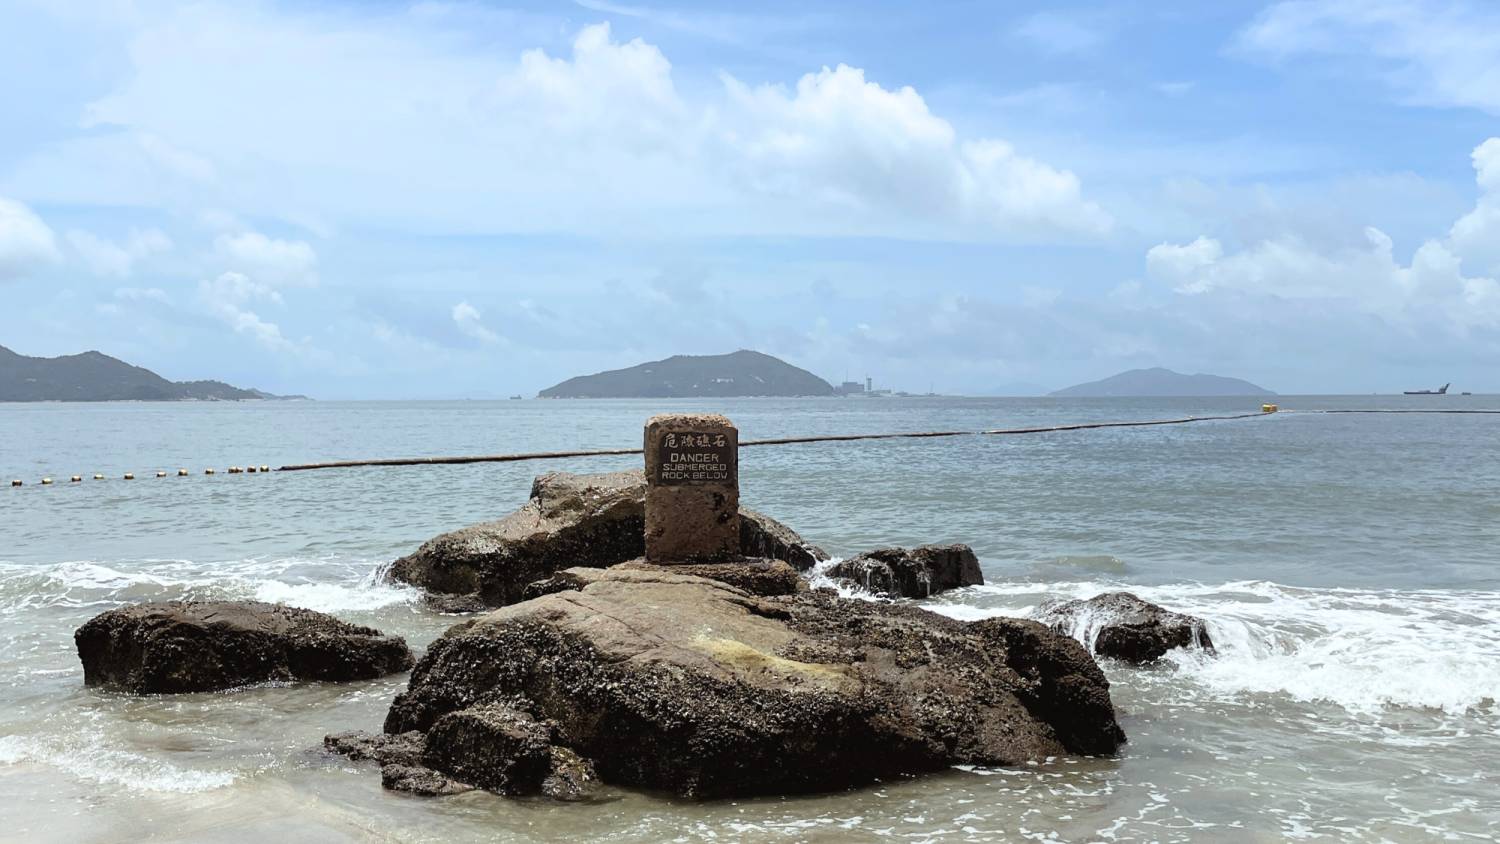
106,257
849,142
471,322
603,138
25,241
1434,286
1433,52
281,263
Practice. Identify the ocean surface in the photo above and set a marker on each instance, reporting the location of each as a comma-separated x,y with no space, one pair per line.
1348,567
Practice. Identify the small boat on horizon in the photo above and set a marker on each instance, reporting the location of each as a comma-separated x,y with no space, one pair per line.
1441,391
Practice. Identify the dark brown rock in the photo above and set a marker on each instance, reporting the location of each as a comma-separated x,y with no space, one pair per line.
916,573
1122,626
764,537
381,748
494,747
676,682
198,646
571,520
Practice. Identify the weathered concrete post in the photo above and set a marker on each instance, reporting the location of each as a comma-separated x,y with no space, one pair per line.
692,488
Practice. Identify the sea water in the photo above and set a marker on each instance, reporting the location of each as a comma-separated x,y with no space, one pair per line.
1346,566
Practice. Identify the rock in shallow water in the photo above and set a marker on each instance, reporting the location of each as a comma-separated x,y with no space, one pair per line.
571,520
1122,626
917,573
199,646
675,682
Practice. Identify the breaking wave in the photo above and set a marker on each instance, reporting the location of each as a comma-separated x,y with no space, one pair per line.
1363,650
326,586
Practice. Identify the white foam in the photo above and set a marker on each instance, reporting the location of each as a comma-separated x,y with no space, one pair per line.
338,586
92,760
1364,650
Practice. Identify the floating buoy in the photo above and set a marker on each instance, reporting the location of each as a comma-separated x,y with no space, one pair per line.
182,473
46,481
98,477
161,474
16,482
1268,408
250,469
75,479
129,476
235,470
208,471
265,468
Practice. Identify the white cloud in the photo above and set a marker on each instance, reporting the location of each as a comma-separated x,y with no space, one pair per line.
226,297
471,322
1434,286
395,120
1434,52
282,263
851,143
105,257
1182,263
25,241
1476,236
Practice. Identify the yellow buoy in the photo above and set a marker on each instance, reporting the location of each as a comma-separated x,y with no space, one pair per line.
129,476
75,479
1268,408
46,481
182,473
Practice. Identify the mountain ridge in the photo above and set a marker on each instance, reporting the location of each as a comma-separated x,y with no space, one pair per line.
1162,382
741,373
95,376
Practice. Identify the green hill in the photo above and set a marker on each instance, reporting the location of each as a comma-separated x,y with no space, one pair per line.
742,373
93,376
1164,382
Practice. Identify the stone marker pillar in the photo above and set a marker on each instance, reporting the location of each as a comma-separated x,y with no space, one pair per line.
692,488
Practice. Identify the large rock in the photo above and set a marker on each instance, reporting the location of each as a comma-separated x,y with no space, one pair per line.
758,577
668,681
571,520
1122,626
915,573
198,646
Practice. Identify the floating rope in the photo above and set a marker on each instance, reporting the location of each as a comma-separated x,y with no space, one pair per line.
554,455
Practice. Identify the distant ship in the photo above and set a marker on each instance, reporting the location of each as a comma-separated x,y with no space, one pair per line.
1441,391
516,398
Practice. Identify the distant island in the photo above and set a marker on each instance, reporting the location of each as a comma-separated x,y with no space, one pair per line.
1159,382
742,373
93,376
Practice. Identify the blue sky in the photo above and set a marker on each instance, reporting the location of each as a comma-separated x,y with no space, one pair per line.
432,200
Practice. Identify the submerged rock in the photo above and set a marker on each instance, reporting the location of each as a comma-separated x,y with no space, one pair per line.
669,681
1122,626
915,573
571,520
493,746
199,646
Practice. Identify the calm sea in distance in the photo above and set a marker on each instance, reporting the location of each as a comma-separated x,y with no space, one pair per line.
1346,565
